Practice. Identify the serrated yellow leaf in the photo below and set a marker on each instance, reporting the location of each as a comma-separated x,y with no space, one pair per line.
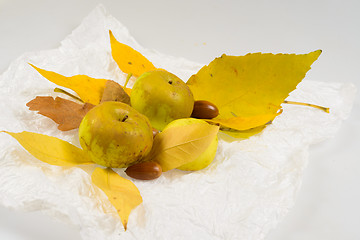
89,89
122,193
179,145
51,150
248,90
129,60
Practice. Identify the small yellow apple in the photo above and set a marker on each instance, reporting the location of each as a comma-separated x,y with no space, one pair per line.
206,157
115,135
162,97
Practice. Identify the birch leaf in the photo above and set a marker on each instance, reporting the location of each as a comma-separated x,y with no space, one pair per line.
89,89
122,193
66,113
128,59
179,145
248,90
51,150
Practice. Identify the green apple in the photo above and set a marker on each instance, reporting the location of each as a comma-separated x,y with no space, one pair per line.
162,97
115,135
206,157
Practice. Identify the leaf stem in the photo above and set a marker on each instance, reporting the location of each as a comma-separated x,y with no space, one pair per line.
127,79
325,109
59,90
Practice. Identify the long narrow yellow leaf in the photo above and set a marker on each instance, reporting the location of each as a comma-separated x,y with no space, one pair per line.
51,150
122,193
129,60
179,145
244,123
89,89
243,134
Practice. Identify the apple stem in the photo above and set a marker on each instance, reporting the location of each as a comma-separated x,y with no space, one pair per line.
325,109
59,90
125,117
127,79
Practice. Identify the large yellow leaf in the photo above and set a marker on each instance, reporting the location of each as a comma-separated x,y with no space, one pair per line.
179,145
51,150
122,193
89,89
248,90
129,60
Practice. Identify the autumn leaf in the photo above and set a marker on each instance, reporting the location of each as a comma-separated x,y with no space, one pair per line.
51,150
89,89
129,60
122,193
243,134
114,92
243,123
248,90
66,113
179,145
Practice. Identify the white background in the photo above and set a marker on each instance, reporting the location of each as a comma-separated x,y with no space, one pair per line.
327,206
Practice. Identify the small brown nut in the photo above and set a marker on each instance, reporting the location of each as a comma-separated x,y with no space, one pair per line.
144,171
204,110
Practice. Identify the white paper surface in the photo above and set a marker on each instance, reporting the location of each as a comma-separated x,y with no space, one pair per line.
245,192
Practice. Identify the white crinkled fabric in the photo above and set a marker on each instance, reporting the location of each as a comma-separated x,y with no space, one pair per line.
245,192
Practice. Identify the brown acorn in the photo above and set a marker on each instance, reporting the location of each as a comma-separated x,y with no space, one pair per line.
204,110
144,171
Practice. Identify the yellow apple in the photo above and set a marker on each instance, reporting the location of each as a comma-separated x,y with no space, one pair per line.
115,135
162,97
206,157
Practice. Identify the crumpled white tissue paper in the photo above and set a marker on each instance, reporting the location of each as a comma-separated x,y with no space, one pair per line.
244,193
